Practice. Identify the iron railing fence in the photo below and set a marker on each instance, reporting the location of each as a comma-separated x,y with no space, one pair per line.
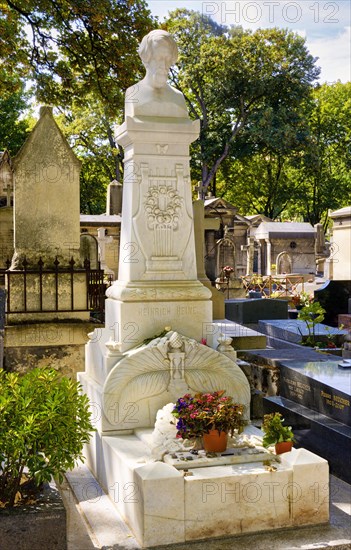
37,277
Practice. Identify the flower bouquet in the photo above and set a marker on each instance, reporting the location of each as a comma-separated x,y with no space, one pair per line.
200,413
301,300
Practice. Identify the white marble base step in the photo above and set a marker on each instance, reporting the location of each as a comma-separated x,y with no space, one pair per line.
164,505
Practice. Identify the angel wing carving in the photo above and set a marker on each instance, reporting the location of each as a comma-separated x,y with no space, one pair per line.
141,375
144,377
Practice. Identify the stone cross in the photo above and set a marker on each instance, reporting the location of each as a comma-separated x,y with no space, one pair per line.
201,190
249,249
8,190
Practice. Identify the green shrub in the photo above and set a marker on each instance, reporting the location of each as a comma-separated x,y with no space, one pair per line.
44,422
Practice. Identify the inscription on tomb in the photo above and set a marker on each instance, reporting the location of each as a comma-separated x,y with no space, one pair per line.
297,388
187,310
335,401
156,311
321,395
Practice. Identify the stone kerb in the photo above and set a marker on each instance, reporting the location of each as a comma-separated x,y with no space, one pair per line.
212,501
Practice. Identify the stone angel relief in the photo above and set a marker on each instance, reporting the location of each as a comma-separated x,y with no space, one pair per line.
150,377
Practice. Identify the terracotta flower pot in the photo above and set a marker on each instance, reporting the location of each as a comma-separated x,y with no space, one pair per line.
283,447
215,441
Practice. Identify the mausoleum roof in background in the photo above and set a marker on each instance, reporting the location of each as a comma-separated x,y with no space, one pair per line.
342,212
256,217
217,202
100,219
285,230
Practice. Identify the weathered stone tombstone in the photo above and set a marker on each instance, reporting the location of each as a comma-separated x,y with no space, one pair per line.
114,198
47,234
89,250
47,177
46,283
284,263
199,229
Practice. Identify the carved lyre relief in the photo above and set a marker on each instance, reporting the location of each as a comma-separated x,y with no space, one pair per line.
163,205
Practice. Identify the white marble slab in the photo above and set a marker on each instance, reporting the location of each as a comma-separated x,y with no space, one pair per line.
228,500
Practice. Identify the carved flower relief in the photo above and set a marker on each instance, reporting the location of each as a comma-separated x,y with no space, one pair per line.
162,205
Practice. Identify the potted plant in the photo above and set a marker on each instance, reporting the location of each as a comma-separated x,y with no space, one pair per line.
45,421
210,416
277,434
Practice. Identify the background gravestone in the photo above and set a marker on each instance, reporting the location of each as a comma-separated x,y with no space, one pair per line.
47,178
47,233
334,298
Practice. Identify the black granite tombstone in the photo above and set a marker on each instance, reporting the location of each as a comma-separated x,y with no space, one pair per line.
333,297
246,311
322,387
315,399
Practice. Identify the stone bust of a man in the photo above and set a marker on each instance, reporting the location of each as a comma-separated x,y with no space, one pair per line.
153,96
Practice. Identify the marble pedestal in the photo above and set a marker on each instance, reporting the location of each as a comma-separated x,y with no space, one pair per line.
132,322
157,277
164,505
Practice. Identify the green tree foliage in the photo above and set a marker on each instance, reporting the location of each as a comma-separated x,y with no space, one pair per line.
14,125
257,177
305,170
76,48
231,79
81,56
89,130
322,172
257,184
13,57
